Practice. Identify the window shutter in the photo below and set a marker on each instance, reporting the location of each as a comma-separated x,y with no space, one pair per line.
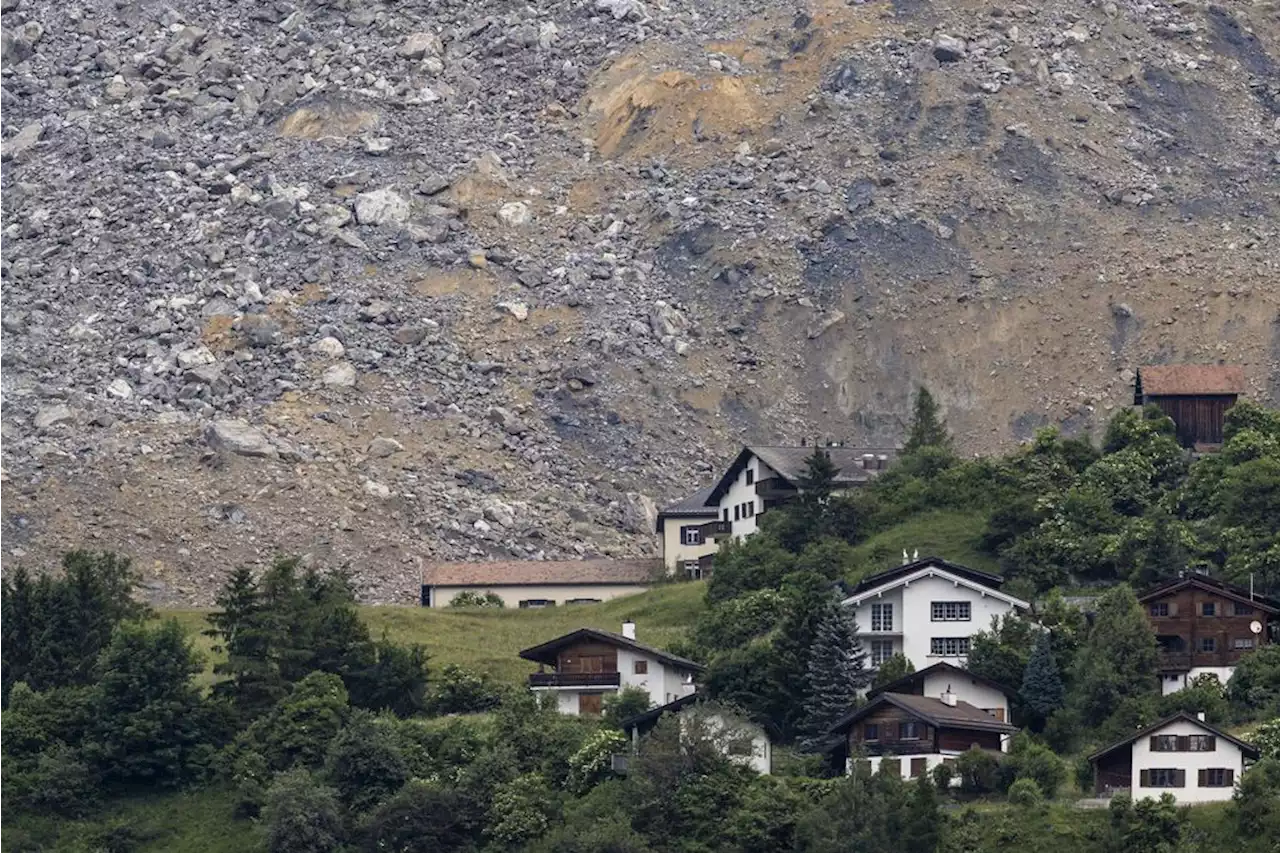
1184,743
1144,778
1173,608
1179,778
1202,777
1213,743
1230,780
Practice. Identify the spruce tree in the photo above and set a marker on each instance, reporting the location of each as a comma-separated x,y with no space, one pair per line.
1118,659
835,676
1042,689
927,428
818,480
249,633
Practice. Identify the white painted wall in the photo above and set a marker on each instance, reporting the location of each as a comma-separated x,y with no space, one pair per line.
912,615
559,593
675,552
663,683
740,493
966,689
1227,754
761,758
1172,682
932,760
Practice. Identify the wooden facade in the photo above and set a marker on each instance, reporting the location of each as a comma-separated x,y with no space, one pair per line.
587,658
1198,627
1113,771
891,730
1199,419
1195,396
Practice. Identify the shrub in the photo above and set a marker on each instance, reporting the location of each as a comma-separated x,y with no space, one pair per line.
301,815
594,759
1026,794
1267,738
625,704
60,782
942,776
421,818
467,598
522,810
365,764
1028,760
460,691
979,771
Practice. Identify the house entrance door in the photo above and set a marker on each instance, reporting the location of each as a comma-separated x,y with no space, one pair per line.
590,704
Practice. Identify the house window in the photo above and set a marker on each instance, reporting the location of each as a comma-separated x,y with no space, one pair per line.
1242,643
693,569
1163,777
737,512
1208,644
726,515
918,767
870,731
882,617
1208,608
536,603
691,535
949,647
1164,743
909,731
1217,777
751,476
1202,743
1243,609
642,667
950,611
881,651
1161,609
583,601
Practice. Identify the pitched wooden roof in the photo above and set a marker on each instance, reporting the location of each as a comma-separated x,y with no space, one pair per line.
546,652
1248,749
1162,380
1236,593
933,711
542,572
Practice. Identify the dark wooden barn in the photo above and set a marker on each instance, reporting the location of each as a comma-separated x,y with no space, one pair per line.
1195,396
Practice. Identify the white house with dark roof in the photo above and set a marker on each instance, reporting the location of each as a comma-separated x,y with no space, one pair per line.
754,747
928,610
942,678
759,478
1180,755
539,583
588,664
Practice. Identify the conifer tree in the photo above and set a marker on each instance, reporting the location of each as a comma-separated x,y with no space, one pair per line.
818,480
836,674
1117,660
927,428
1042,689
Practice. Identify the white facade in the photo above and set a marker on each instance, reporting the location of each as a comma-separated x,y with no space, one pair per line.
1224,756
559,594
966,688
740,506
760,758
928,616
932,760
664,683
676,551
1172,682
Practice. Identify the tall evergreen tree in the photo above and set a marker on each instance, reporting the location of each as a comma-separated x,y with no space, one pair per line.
927,428
1042,691
923,829
812,518
818,480
248,633
836,674
1117,660
807,598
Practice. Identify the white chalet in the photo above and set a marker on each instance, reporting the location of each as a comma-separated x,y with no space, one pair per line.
927,610
943,678
1180,755
588,664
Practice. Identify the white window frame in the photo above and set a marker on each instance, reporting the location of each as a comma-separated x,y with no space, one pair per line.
691,534
949,647
881,651
950,611
882,616
693,569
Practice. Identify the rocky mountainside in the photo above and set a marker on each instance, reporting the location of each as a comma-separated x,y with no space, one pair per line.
382,282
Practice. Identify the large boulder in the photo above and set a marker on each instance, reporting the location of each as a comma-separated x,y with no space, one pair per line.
238,437
382,207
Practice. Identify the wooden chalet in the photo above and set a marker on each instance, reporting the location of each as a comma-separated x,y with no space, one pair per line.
1195,396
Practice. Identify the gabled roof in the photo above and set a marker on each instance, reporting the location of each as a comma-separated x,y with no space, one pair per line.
1161,380
790,464
542,572
933,711
694,506
1236,593
652,715
940,668
1248,749
546,653
985,583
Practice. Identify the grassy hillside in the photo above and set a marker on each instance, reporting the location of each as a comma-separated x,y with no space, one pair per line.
950,534
488,640
197,822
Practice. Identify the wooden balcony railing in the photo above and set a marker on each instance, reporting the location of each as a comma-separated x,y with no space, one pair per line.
575,679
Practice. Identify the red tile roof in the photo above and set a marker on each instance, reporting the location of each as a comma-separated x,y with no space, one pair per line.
1191,379
542,572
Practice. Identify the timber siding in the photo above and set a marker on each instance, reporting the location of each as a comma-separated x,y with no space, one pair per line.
1199,420
1183,632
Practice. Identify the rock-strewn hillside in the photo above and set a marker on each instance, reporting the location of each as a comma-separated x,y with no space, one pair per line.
386,282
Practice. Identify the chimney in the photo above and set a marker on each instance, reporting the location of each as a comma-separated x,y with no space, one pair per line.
948,698
629,629
1200,716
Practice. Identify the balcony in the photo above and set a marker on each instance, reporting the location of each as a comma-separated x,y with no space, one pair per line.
715,529
1175,660
774,489
575,679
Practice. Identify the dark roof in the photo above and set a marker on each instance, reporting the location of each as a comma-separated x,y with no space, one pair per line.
1238,593
932,710
694,506
790,464
1160,380
1248,749
941,666
546,653
652,715
890,575
542,572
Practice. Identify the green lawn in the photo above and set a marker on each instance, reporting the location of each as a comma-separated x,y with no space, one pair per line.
952,535
488,640
197,822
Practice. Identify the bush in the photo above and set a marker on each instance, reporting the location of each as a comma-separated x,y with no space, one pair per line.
301,815
942,776
1029,760
467,598
1026,794
1267,738
420,819
625,704
979,771
60,782
365,764
460,691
